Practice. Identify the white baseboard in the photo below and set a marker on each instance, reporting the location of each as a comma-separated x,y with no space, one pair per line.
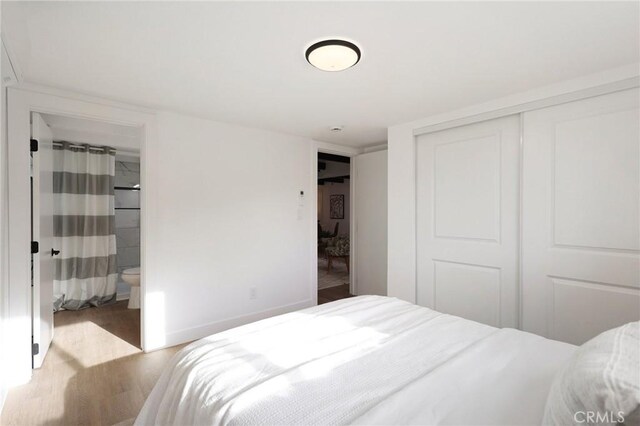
122,296
190,334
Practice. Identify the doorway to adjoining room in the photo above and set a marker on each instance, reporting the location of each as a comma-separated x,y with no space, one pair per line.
334,252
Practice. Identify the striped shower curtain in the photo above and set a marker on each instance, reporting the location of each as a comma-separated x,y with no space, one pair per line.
84,226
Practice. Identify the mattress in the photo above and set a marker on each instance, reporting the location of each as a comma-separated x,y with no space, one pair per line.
363,360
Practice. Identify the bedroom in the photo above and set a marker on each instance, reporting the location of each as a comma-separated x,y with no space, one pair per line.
504,231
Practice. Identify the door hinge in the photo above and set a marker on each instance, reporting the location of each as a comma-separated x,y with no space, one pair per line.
35,349
34,145
35,247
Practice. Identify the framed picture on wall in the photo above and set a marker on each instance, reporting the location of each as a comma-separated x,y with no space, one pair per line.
336,206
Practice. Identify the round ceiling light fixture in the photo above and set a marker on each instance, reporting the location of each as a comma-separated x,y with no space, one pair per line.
333,55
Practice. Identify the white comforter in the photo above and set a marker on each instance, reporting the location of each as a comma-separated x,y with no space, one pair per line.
365,360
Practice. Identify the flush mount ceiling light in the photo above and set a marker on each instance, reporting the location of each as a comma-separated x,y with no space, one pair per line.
333,55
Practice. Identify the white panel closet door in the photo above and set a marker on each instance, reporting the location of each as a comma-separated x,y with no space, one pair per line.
581,196
467,184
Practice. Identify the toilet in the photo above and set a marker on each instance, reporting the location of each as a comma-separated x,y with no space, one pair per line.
131,276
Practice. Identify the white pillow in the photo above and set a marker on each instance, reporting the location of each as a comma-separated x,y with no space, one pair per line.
600,383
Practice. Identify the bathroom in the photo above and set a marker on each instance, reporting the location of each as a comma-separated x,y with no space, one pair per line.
127,227
95,257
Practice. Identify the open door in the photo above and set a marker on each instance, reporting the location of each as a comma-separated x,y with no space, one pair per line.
42,261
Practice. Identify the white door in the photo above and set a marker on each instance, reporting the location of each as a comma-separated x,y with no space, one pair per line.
42,232
581,240
467,183
370,198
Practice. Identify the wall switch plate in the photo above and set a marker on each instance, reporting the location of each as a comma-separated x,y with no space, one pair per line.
253,293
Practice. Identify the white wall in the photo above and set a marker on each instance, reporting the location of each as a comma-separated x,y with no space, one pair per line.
8,76
370,197
3,239
223,217
334,188
401,266
221,214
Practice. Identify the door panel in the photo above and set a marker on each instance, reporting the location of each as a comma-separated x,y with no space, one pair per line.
467,179
467,221
581,197
42,230
459,287
574,315
370,197
587,167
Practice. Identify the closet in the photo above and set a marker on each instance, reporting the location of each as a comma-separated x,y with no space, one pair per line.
532,220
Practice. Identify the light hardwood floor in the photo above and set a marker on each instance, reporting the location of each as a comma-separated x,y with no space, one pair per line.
94,373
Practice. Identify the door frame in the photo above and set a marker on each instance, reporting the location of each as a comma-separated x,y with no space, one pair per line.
344,151
21,101
42,161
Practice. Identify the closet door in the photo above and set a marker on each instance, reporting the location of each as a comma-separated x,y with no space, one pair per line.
581,191
467,185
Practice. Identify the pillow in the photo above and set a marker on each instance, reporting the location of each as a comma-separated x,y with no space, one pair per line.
600,383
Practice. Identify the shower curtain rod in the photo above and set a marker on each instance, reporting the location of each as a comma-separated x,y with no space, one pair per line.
96,148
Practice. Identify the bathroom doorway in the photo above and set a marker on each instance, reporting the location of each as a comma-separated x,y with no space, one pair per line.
86,220
94,117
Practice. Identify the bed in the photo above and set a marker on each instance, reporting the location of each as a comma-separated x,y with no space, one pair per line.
363,360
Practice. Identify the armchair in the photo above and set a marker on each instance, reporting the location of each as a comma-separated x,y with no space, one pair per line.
339,250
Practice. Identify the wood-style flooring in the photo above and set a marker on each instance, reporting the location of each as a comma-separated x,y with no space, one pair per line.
94,373
338,275
330,294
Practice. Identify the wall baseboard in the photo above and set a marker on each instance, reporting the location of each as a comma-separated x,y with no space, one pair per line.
190,334
122,296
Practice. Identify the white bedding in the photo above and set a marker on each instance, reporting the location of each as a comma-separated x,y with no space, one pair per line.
364,360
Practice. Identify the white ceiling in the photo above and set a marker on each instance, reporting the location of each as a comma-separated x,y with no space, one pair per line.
80,124
244,62
124,138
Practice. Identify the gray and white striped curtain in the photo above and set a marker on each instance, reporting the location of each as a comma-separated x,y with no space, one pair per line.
84,226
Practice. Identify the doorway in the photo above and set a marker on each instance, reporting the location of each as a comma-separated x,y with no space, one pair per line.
334,227
85,227
21,103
